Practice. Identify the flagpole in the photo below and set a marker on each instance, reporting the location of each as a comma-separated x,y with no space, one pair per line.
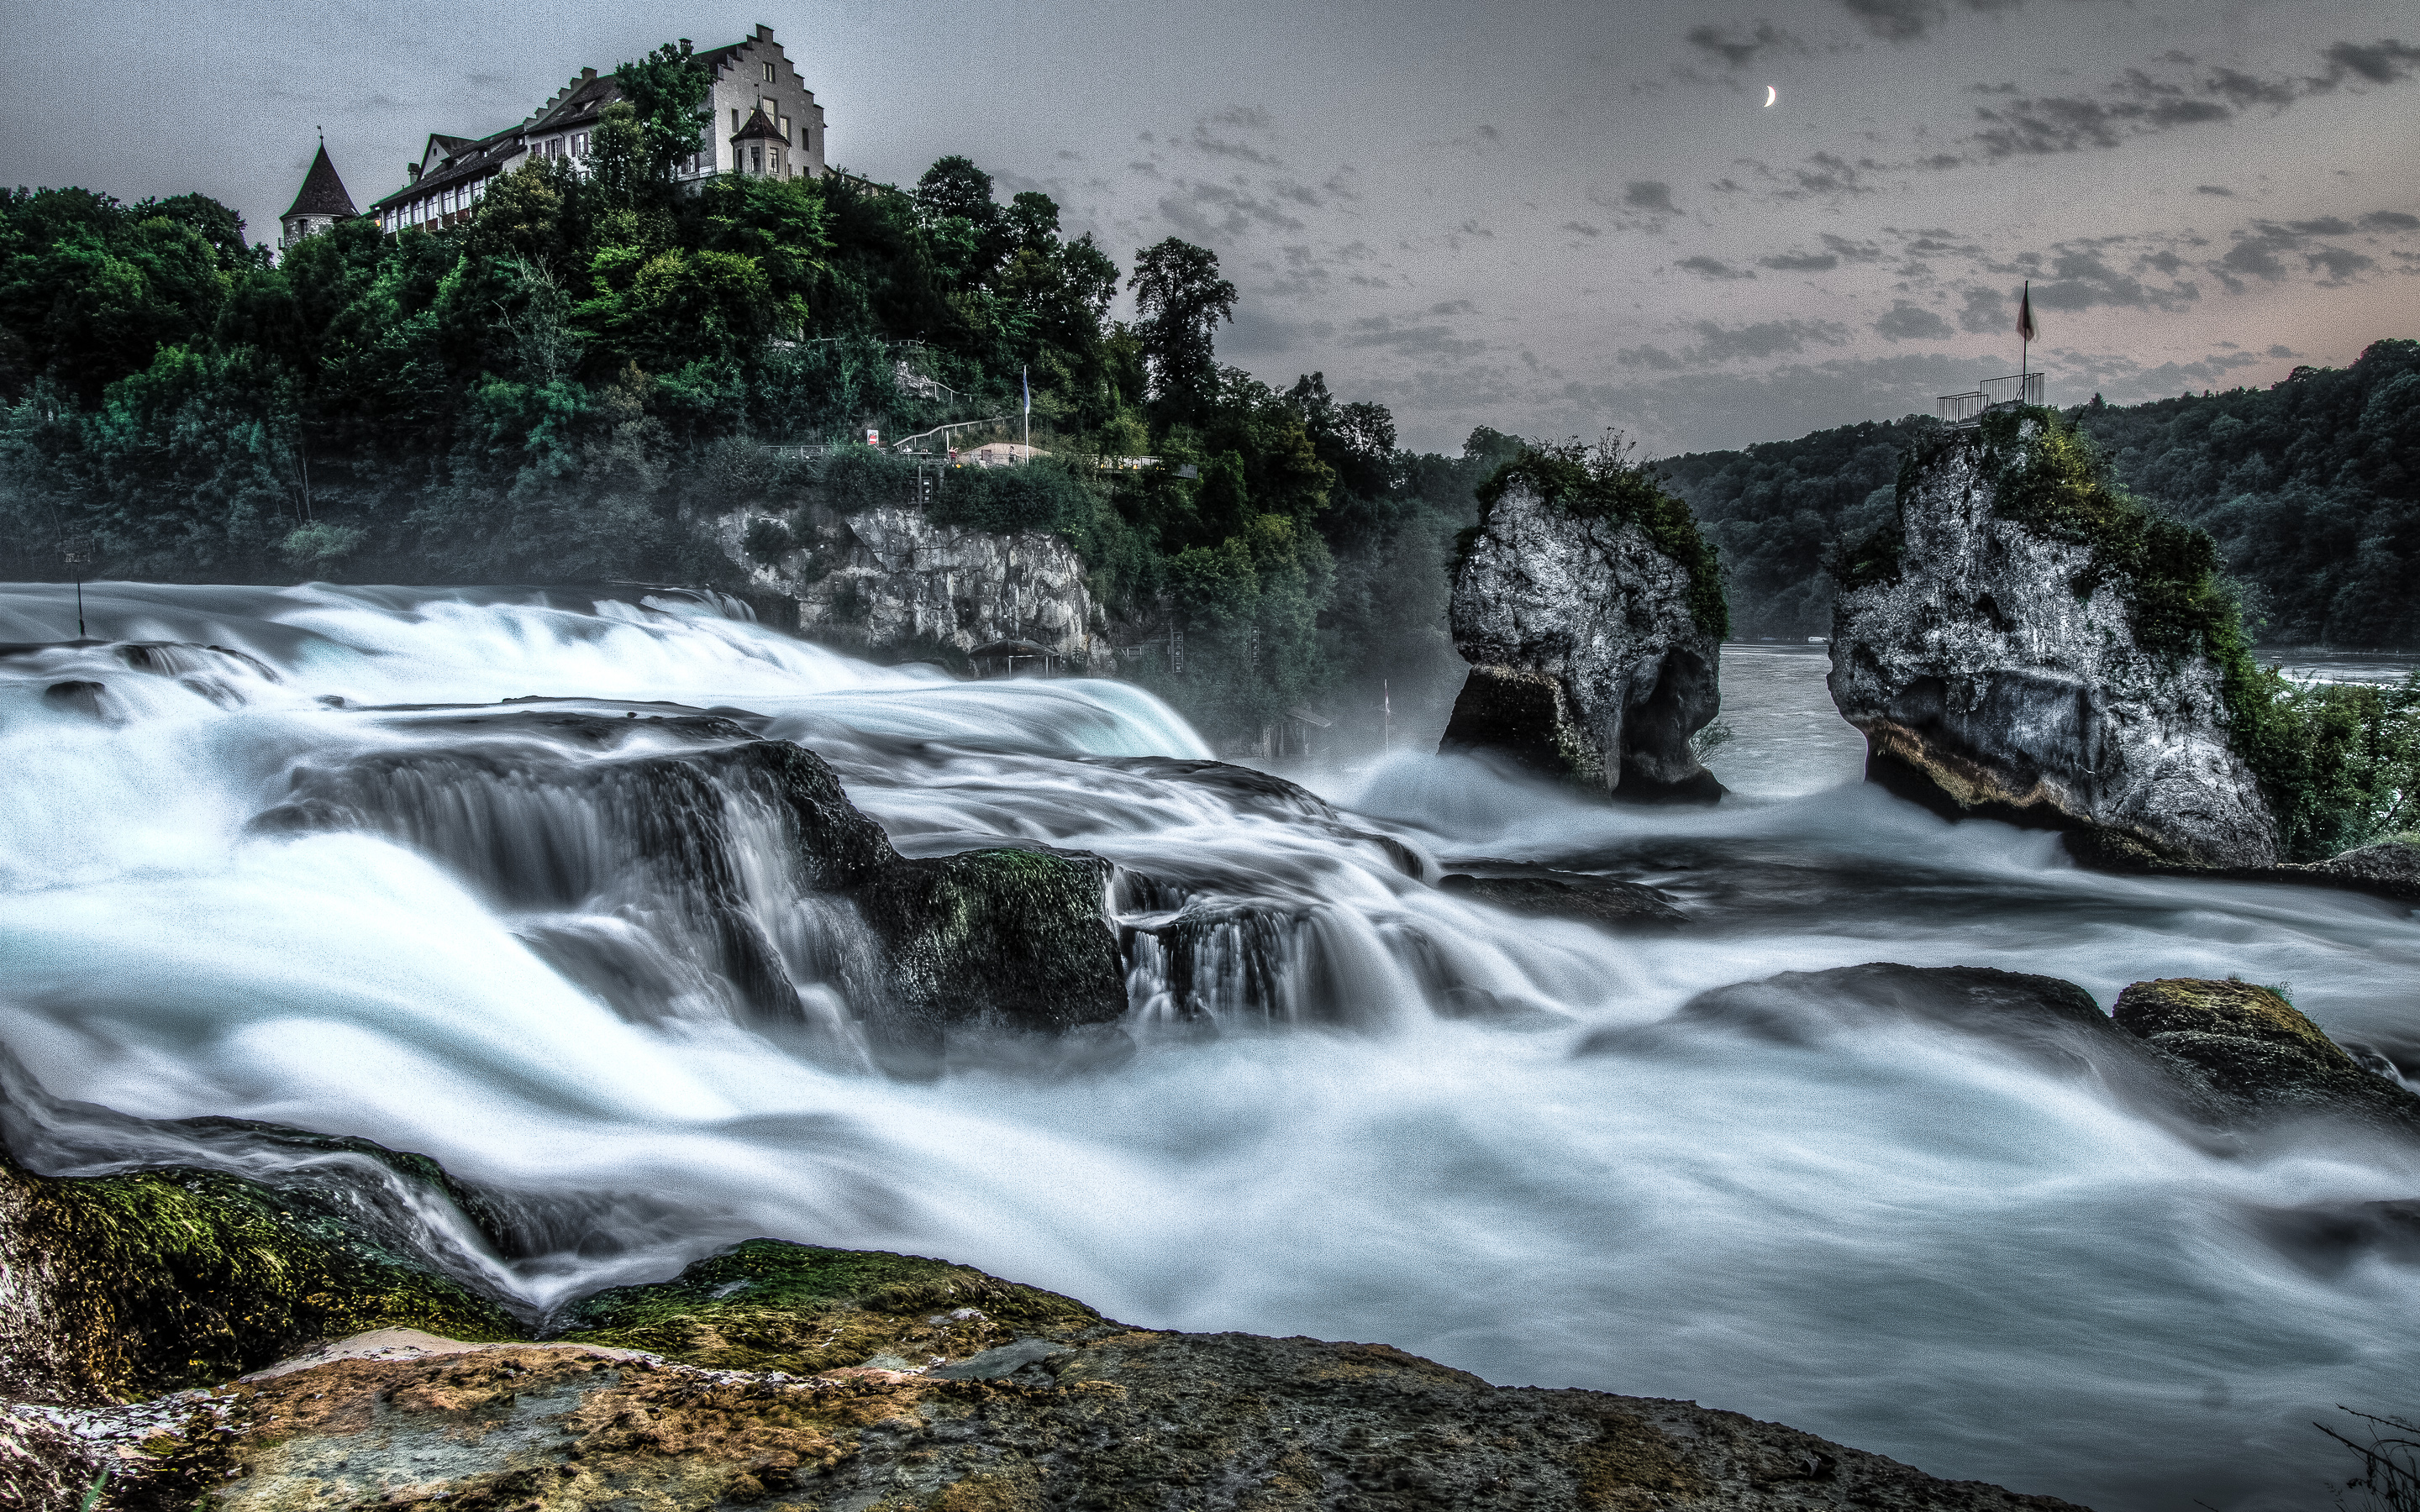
2024,341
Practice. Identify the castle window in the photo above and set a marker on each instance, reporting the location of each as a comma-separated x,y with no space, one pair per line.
769,73
786,128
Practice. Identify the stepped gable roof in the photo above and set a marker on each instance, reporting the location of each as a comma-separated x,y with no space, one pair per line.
322,192
759,129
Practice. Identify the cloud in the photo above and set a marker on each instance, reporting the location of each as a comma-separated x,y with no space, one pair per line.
2068,123
1987,311
1908,20
1705,266
2213,189
2390,220
2140,104
2384,61
1801,262
1718,343
1911,322
1736,48
1430,340
1582,228
1649,194
2269,252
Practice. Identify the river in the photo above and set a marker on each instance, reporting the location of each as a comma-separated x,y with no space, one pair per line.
1905,1235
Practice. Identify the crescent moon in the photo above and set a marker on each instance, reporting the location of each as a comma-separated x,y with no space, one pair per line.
1771,94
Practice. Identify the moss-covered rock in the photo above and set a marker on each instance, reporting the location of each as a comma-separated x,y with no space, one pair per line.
997,939
2254,1047
1119,1420
121,1285
770,1305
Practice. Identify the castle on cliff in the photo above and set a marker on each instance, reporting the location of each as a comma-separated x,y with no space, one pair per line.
758,119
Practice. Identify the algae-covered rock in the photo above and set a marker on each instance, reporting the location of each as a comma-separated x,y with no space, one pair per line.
2014,654
1591,615
117,1286
2256,1049
1108,1417
997,938
766,1305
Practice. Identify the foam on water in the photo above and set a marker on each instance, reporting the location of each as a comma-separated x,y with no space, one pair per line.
1919,1240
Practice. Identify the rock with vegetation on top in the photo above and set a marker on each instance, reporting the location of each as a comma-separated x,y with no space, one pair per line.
1592,613
2028,645
2257,1050
114,1286
826,1378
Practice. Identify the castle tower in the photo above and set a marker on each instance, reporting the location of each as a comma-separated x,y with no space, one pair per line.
321,203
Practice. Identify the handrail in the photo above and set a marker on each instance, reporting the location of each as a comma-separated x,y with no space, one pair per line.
2013,388
904,442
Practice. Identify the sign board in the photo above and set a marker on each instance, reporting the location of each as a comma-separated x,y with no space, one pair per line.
873,437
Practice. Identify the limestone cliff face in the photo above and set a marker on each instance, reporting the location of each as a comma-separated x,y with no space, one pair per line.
1585,663
1985,685
890,581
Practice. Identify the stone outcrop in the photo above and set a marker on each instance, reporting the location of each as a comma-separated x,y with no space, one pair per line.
2258,1052
793,1375
1996,673
549,808
2218,1054
1587,663
890,582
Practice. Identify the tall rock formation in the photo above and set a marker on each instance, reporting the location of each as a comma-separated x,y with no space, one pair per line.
2029,645
1589,611
890,582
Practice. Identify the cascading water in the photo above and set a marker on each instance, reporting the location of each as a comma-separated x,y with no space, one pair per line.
239,881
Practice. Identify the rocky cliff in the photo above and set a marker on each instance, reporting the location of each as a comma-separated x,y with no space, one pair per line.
2025,645
891,582
1588,608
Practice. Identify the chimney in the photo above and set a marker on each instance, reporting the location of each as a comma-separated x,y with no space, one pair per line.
411,171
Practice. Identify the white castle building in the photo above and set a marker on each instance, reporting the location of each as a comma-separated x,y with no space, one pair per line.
759,119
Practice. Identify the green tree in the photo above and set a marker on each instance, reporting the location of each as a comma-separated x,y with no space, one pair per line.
666,91
1179,302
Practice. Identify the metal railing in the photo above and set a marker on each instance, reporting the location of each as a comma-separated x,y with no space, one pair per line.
2016,388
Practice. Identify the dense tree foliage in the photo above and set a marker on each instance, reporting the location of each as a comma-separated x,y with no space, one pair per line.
577,380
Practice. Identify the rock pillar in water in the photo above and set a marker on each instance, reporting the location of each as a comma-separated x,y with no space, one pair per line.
1588,608
2007,655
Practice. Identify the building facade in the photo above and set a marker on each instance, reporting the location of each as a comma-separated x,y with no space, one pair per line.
759,119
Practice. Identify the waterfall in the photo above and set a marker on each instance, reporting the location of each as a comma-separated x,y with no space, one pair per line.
541,884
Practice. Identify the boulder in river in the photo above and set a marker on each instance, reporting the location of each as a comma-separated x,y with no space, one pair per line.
1590,611
2257,1050
2028,645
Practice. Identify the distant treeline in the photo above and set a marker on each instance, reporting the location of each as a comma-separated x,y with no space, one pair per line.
2311,489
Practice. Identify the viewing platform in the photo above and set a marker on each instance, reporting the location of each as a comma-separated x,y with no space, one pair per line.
2016,388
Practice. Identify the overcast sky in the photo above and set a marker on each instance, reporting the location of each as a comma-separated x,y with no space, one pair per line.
1546,217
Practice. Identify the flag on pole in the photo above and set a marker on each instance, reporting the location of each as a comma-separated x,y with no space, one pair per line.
1025,376
2025,314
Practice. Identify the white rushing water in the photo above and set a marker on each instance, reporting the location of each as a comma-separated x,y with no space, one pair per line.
1909,1236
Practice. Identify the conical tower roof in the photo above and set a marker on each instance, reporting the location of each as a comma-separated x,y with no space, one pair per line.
323,192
